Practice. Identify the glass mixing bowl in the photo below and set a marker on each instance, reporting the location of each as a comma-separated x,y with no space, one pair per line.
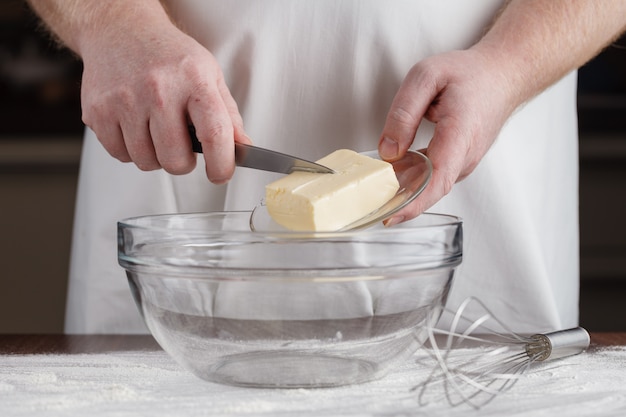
287,309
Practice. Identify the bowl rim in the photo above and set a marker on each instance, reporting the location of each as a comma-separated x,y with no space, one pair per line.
134,222
397,234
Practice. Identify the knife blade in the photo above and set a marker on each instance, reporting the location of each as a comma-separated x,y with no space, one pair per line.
264,159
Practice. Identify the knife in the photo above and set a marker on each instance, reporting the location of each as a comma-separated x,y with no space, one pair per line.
259,158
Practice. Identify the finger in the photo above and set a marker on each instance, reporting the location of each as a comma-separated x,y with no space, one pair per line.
139,144
447,152
233,111
405,114
109,133
111,138
431,194
215,131
127,140
168,129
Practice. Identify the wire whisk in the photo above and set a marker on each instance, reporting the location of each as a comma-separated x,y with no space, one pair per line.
476,362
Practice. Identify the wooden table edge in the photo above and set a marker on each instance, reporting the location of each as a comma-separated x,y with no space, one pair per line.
76,344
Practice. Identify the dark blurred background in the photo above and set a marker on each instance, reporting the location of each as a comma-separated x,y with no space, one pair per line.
602,124
40,143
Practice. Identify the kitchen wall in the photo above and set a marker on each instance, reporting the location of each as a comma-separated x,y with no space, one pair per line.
602,123
40,141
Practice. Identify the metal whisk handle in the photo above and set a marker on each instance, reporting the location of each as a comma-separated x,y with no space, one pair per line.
558,344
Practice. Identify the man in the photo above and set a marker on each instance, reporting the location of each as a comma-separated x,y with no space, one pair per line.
310,77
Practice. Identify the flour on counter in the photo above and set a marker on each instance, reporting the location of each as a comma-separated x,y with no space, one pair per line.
150,383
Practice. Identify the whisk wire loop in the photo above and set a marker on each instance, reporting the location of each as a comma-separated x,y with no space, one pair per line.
478,363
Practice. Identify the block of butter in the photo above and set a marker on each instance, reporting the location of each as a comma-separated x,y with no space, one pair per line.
307,201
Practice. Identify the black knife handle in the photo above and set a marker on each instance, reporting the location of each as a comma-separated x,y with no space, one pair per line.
196,146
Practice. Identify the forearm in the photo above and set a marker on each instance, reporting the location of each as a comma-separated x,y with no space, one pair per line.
79,22
537,42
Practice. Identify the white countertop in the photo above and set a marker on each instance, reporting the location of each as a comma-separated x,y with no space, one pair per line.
150,383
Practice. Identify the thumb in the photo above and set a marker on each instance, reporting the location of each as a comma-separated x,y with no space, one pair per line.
447,153
403,119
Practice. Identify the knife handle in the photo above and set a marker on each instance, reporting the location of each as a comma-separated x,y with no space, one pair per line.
196,146
264,159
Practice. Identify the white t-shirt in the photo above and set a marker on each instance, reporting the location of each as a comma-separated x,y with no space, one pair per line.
313,76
